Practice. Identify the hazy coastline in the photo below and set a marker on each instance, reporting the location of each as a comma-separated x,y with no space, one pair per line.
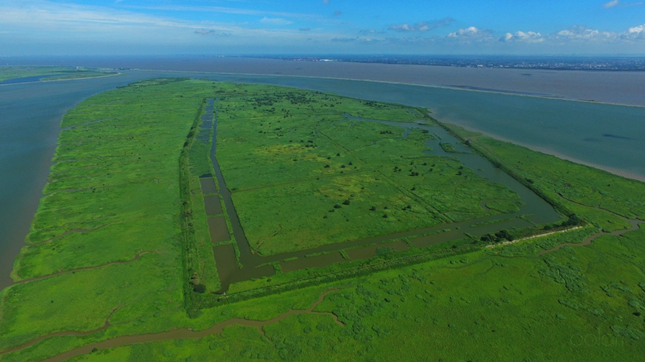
623,88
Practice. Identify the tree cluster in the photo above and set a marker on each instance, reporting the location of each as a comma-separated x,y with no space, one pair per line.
497,237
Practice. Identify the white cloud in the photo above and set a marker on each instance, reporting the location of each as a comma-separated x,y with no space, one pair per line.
506,37
617,3
611,3
520,36
468,32
275,21
634,33
471,34
582,33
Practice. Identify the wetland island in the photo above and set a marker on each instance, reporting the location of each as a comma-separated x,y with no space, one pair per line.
192,220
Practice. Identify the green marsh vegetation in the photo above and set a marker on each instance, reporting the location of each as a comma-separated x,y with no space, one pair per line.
306,170
121,235
579,303
506,303
107,237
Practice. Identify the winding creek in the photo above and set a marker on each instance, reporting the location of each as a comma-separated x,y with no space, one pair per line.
181,333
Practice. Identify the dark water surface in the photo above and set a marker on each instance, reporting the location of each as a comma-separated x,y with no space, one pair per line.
610,137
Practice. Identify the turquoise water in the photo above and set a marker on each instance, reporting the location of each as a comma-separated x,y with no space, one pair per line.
611,137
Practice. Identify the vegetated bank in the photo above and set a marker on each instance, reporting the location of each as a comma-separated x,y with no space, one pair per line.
451,308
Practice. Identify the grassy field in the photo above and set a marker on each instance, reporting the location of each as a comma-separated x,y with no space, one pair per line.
506,303
121,235
55,73
579,303
308,169
107,237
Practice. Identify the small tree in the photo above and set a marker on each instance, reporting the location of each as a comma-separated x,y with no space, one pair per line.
200,288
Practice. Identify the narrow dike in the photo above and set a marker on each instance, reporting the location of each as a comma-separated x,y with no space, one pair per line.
190,256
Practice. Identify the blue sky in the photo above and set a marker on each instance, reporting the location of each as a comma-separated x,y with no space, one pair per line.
79,27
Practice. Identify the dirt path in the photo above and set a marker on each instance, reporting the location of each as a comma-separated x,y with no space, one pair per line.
182,333
533,237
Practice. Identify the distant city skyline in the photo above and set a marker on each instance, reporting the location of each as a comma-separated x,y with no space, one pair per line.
140,27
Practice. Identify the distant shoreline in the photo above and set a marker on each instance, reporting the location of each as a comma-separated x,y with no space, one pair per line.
518,62
457,88
599,86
